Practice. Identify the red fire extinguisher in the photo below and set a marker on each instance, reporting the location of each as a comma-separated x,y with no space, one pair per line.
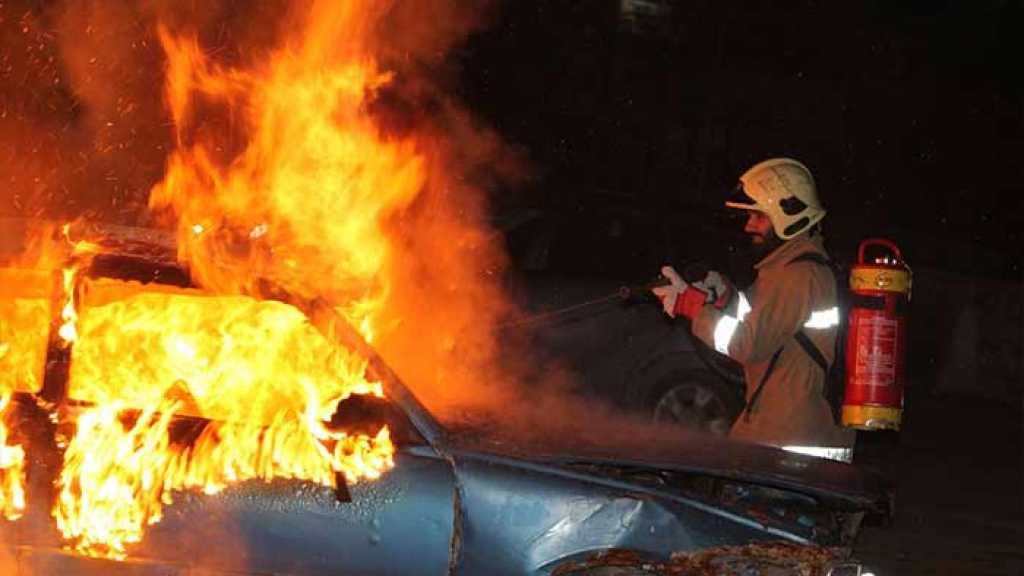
876,341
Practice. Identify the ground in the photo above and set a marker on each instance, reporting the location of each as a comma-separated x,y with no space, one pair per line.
959,503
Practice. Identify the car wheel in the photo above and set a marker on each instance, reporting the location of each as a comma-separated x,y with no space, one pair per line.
696,400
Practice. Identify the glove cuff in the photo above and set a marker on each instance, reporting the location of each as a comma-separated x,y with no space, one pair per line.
690,302
723,299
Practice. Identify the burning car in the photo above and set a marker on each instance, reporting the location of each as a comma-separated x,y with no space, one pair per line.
183,482
216,404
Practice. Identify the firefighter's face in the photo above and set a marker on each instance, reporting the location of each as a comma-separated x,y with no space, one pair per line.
758,228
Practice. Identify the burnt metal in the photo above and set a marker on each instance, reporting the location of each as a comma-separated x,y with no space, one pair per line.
341,492
754,559
139,270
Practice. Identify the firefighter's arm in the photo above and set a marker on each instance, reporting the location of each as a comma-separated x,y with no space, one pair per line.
754,331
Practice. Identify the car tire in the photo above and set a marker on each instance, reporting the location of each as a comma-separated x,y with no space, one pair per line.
696,399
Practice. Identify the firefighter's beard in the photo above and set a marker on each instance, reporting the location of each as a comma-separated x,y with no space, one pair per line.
764,244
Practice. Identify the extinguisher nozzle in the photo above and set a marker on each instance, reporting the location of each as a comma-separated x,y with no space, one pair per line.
641,291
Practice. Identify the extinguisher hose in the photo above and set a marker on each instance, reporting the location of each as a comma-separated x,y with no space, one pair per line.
624,294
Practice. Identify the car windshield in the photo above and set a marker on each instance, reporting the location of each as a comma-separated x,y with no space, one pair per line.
211,355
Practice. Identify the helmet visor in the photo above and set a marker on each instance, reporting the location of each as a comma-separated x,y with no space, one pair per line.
738,198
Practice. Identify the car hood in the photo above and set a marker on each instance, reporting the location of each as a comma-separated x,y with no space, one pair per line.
835,483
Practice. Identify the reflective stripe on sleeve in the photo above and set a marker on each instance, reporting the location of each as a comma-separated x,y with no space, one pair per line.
742,308
840,454
726,326
724,330
822,319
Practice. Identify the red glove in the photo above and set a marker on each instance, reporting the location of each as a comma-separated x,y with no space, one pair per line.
691,301
679,298
718,288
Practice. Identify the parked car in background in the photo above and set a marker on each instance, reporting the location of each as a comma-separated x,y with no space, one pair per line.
462,498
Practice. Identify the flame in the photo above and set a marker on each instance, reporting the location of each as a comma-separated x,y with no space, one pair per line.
24,329
300,207
67,331
12,468
82,251
81,246
265,378
304,202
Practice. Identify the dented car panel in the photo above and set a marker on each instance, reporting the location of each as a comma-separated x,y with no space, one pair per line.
527,519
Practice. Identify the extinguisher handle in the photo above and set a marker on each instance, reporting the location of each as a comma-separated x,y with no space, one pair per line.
878,242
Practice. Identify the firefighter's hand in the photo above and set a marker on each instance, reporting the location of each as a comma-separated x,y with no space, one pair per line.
718,288
679,298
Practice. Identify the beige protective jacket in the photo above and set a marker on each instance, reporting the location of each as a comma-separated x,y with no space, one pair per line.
787,296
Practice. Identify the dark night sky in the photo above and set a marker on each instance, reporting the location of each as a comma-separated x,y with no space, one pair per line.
909,114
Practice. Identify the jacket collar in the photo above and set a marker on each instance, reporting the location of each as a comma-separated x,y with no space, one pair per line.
791,249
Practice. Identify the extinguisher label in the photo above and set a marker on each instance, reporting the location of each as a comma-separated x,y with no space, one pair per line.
876,351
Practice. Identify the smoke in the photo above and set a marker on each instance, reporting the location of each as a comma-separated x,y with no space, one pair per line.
8,560
83,127
79,134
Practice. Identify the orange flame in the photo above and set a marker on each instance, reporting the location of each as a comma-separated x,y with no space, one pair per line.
303,203
81,252
301,206
258,369
12,469
67,331
24,329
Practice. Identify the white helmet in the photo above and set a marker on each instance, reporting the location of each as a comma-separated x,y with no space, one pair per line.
783,189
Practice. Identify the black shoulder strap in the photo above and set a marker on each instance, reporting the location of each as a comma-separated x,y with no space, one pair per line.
811,349
760,387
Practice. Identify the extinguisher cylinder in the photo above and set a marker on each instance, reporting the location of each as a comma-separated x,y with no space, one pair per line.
876,341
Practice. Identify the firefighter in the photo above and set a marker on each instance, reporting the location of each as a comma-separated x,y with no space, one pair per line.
794,294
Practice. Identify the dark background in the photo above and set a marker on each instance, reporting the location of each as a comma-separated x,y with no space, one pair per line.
637,116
